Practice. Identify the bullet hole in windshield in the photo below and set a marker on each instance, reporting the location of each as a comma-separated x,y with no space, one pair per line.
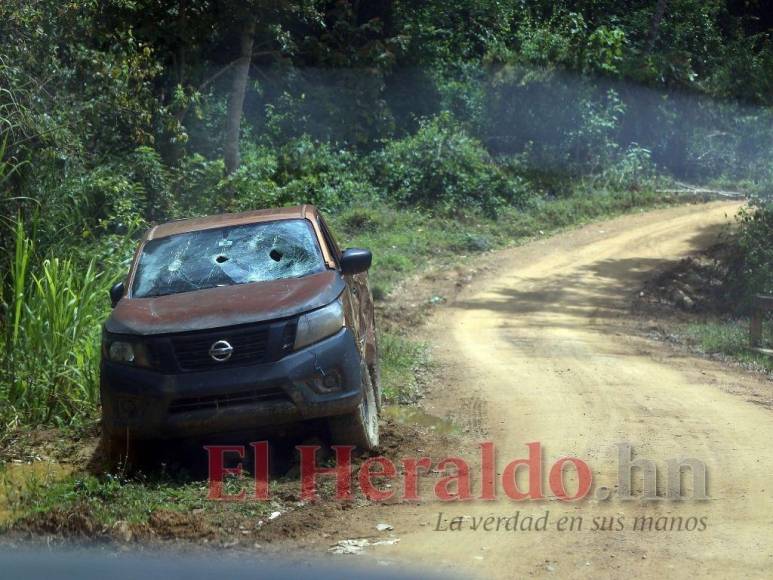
275,254
221,259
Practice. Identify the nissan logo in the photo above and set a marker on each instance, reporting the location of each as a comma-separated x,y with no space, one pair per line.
221,351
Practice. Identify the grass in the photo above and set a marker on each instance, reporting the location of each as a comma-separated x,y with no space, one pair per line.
109,498
404,362
730,338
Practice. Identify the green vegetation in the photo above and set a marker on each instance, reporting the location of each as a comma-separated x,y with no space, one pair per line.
730,338
402,362
103,501
751,267
425,130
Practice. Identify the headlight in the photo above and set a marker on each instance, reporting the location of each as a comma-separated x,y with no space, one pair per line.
121,352
126,352
318,324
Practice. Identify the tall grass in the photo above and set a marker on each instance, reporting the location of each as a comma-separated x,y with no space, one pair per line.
50,344
23,249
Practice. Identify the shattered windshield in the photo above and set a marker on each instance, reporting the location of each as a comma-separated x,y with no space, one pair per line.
224,256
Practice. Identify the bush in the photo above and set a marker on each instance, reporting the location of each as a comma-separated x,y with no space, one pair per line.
634,170
253,185
318,173
358,219
198,183
301,171
151,176
443,169
752,268
103,200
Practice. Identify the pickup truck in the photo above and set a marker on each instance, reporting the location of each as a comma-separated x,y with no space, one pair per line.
237,321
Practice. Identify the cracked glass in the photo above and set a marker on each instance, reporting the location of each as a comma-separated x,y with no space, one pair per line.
225,256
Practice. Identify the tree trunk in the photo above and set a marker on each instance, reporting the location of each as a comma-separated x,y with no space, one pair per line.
236,101
660,10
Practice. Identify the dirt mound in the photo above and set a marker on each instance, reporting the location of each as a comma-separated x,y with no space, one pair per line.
72,446
77,521
168,524
80,522
695,284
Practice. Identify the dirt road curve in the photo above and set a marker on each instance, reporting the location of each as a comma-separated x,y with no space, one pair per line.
541,349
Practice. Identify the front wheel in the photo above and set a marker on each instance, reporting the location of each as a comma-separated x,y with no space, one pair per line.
360,427
374,371
118,450
122,452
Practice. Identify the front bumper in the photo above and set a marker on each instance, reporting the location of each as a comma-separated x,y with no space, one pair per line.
150,404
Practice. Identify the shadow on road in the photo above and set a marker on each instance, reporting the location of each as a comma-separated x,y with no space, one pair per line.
598,290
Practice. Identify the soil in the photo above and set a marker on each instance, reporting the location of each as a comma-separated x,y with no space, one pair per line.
695,285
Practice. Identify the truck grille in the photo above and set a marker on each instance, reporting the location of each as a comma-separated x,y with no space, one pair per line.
250,345
227,400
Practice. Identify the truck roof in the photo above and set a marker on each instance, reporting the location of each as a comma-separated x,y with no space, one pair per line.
229,219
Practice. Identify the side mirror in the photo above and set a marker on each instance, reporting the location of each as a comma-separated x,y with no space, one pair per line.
355,260
116,293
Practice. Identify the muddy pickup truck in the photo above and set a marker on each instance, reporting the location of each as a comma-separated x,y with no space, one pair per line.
240,321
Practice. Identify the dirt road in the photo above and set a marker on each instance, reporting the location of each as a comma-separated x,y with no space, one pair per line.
541,349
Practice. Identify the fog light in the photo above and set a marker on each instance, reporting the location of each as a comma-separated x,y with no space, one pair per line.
331,381
327,383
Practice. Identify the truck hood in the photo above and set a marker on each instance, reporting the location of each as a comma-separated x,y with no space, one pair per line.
224,306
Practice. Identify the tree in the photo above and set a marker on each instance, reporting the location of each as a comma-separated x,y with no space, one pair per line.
236,99
657,18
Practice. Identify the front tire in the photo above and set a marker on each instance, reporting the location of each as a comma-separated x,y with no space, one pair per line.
360,427
118,450
375,378
124,453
